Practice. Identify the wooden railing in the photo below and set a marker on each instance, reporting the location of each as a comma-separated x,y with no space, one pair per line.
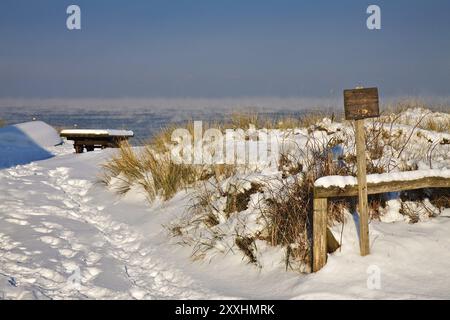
321,195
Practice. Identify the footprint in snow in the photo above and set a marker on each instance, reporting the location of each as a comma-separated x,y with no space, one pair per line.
50,240
67,253
17,221
42,230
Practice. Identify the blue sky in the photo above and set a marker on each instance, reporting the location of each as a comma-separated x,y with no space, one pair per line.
218,48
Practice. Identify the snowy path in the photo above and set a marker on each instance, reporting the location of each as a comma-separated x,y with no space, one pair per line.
55,243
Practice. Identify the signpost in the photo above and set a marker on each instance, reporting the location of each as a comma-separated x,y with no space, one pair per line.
359,104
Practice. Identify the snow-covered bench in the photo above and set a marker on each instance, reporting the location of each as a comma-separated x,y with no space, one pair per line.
347,186
95,138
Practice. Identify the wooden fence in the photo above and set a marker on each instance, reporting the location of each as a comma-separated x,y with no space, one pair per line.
322,238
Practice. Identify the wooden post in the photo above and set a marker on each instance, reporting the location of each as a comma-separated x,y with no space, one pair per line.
78,147
362,188
319,233
360,104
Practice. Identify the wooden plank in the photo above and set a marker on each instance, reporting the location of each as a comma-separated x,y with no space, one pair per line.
94,142
361,103
363,203
319,233
383,187
71,136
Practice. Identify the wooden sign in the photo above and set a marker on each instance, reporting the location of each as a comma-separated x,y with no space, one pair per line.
361,103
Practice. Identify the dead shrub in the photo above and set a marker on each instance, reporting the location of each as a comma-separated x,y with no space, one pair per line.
432,200
288,219
238,201
440,198
247,246
286,208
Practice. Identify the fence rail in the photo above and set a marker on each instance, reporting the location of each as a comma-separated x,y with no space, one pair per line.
321,195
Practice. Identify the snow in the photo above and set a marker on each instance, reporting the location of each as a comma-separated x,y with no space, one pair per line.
40,132
63,235
74,239
26,142
108,132
343,181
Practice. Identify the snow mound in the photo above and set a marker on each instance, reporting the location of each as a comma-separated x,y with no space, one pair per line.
40,132
26,142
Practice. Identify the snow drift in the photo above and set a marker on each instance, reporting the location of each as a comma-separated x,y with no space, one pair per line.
26,142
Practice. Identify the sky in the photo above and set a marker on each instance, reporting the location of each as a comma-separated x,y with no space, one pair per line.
218,48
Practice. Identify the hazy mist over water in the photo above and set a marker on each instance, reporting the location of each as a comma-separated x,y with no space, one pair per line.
147,116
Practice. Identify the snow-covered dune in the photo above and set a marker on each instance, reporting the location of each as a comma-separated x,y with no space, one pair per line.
63,235
26,142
